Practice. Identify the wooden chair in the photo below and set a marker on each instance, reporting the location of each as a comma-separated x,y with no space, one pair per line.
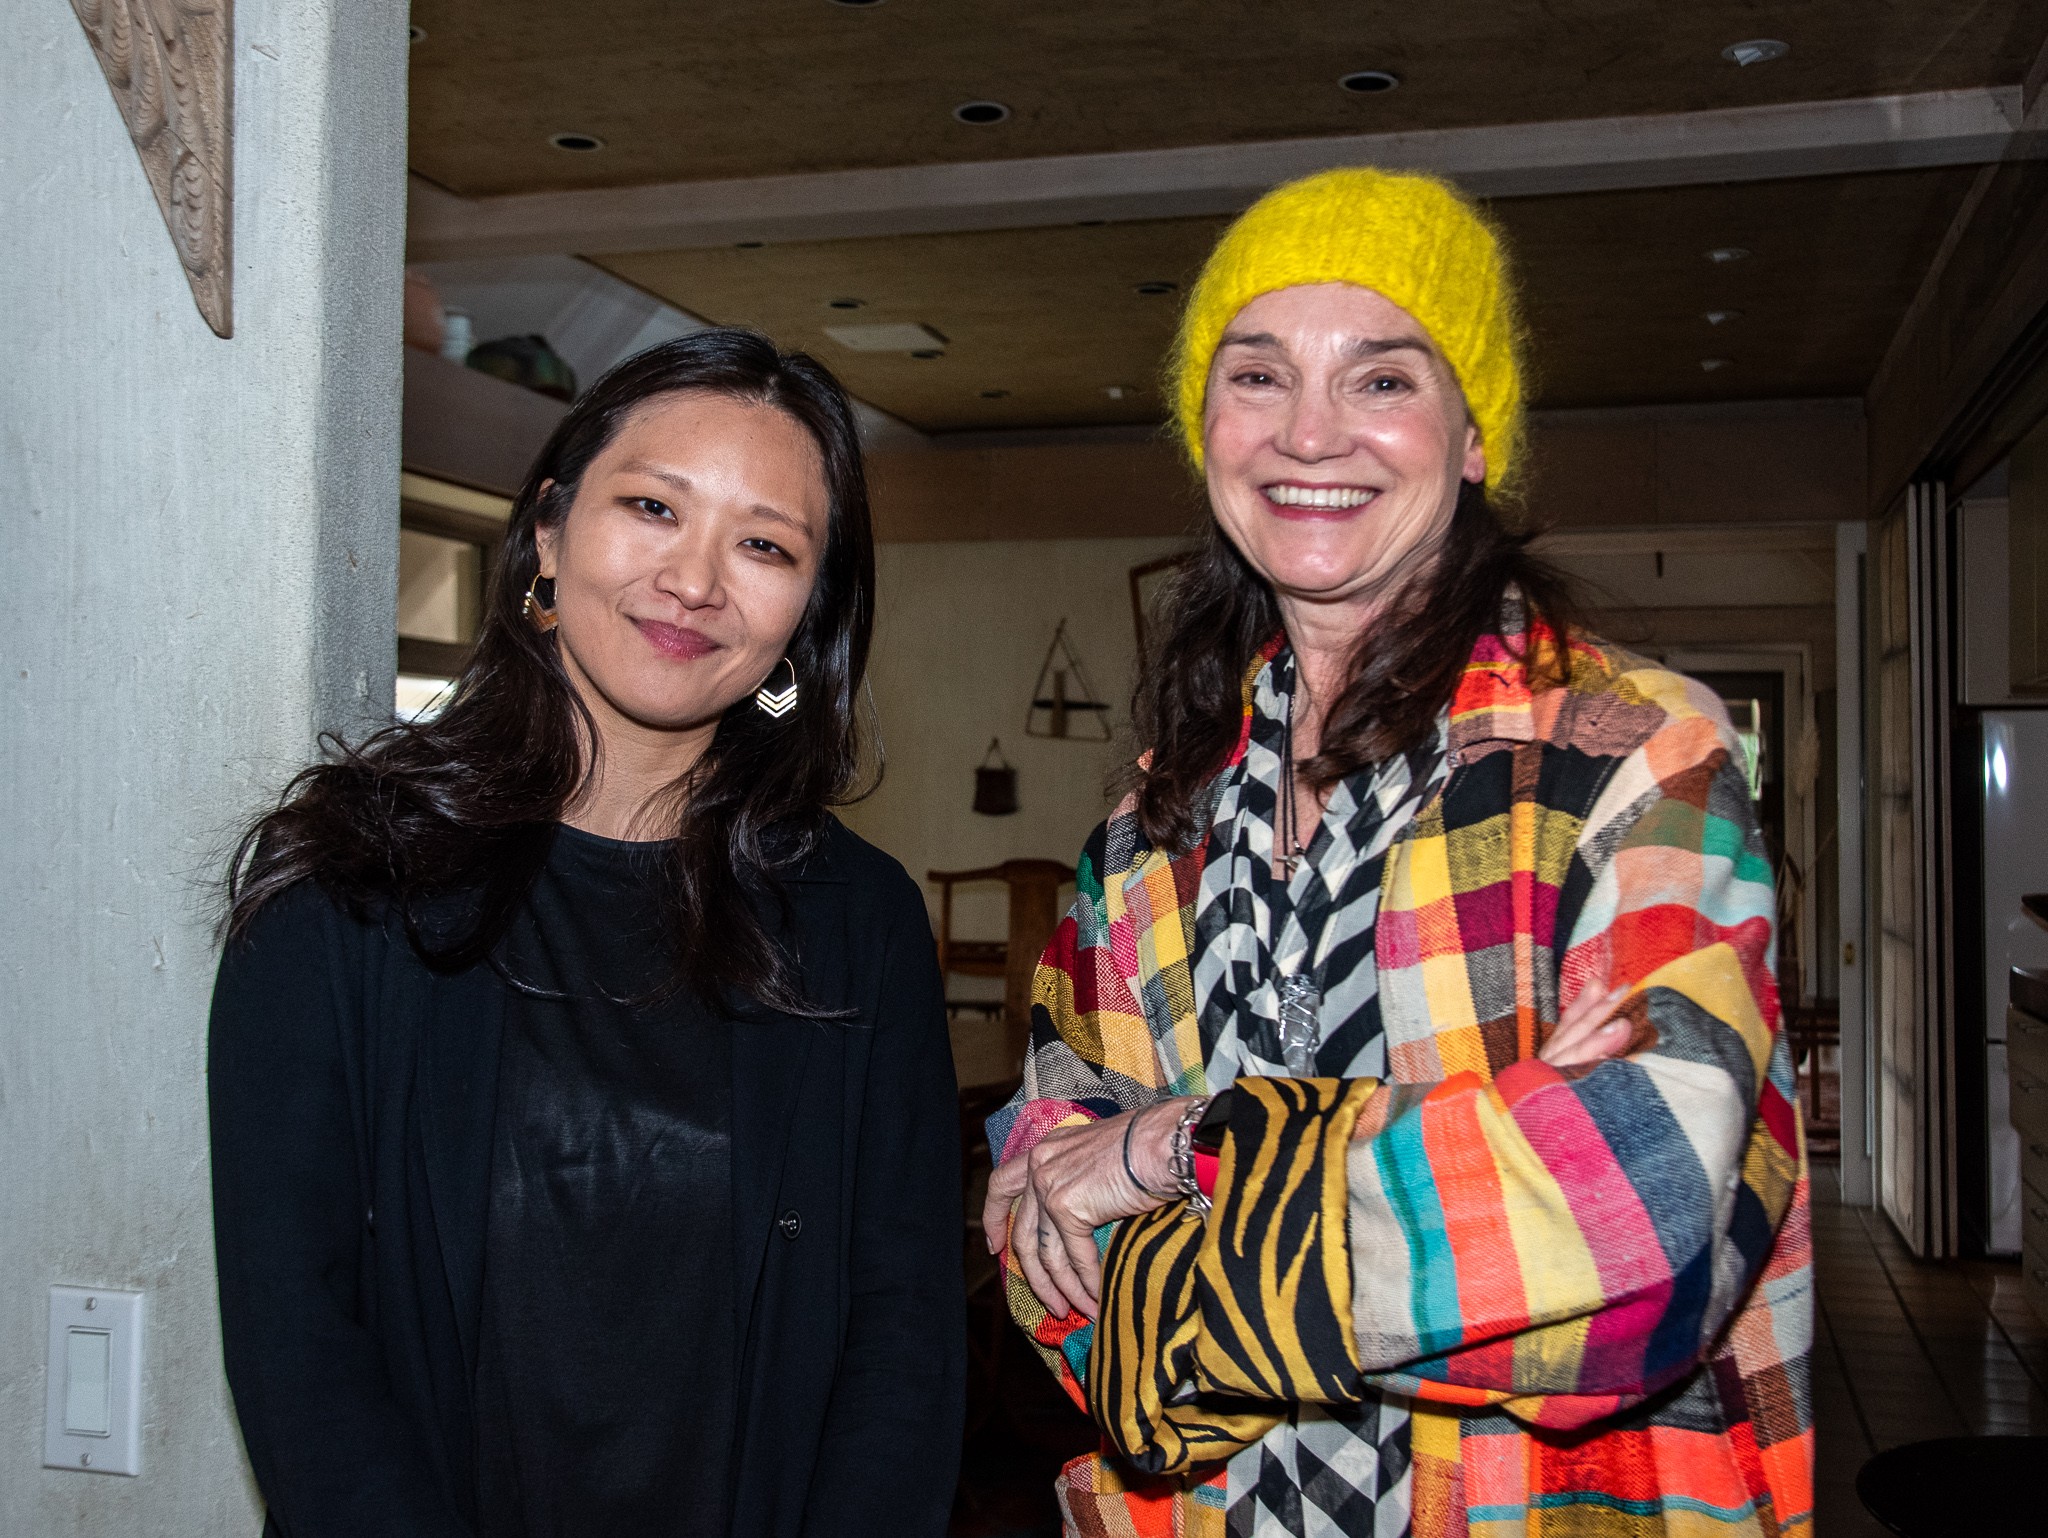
1811,1025
1034,890
1034,887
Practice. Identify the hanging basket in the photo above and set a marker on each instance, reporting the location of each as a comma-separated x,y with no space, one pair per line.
995,785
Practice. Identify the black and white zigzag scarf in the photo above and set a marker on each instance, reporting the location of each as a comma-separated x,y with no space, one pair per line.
1324,1471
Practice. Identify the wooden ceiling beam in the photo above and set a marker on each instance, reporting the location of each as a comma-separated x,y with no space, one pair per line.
1878,133
1598,480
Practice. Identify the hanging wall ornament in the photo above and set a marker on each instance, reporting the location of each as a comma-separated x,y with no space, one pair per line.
170,65
995,785
1062,698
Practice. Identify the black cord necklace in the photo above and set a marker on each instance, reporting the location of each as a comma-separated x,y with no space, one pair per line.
1299,994
1290,832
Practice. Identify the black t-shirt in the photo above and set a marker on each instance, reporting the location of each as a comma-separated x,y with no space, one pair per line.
606,1363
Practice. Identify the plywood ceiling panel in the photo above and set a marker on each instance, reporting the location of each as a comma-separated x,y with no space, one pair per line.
727,88
1616,286
1051,317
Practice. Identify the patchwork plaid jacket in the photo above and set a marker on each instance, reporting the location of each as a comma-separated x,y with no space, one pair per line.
1592,1287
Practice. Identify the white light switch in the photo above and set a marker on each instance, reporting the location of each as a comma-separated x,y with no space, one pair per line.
92,1416
88,1389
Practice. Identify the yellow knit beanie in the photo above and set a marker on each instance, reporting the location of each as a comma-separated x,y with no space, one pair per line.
1410,238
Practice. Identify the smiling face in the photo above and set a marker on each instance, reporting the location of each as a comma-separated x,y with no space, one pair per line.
685,562
1334,440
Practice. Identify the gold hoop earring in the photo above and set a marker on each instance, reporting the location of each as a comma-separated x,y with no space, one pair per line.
778,702
543,615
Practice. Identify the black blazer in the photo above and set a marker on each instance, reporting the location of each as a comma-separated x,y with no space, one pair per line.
353,1095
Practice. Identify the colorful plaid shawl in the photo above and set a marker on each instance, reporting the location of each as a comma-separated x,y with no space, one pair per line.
1591,1288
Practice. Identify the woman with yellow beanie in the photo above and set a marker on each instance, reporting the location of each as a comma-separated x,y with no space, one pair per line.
1407,1142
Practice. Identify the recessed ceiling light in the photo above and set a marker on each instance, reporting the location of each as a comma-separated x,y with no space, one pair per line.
1722,317
1711,364
928,352
1757,50
857,4
748,245
1118,392
1089,224
846,304
1724,254
1157,286
993,395
1369,82
981,113
581,144
417,34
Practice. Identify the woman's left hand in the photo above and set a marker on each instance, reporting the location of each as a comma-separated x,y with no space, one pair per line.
1590,1030
1068,1186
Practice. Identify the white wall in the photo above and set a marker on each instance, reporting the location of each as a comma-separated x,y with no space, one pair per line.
1705,566
962,631
199,554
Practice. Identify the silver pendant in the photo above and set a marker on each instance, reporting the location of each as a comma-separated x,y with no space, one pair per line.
1301,1003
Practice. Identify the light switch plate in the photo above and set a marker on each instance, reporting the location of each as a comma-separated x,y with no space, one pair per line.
92,1407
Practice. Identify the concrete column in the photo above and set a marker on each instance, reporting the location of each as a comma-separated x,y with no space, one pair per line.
198,557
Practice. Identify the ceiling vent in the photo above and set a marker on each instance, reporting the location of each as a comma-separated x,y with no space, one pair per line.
886,336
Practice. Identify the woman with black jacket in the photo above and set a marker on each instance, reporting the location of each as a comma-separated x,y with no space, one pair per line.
584,1128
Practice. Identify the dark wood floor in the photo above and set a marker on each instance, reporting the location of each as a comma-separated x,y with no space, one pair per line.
1907,1350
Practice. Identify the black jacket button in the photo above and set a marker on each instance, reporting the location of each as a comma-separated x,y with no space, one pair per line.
791,1223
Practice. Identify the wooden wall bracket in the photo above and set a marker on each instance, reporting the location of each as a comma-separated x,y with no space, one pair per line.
170,64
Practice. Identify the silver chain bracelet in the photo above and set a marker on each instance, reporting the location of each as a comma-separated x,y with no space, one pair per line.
1180,1161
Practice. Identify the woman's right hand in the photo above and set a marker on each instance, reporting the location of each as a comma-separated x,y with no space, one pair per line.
1589,1031
1050,1202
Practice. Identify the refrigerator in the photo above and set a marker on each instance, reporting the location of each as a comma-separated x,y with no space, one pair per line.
2014,861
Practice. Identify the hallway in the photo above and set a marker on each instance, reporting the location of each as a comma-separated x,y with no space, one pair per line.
1907,1350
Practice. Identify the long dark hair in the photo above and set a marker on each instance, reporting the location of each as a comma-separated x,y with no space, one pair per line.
1219,612
465,805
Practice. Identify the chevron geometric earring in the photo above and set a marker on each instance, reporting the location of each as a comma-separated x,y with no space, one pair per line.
778,703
